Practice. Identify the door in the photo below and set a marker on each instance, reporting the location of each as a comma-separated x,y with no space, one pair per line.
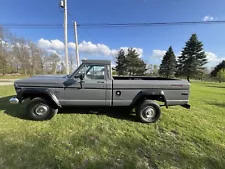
91,91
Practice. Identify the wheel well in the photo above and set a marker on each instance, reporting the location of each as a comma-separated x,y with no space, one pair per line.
159,98
47,98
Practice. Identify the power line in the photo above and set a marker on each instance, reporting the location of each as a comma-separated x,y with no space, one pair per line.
150,24
105,25
89,34
83,29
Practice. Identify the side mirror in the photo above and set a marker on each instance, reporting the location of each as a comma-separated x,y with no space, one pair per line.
69,82
81,77
81,80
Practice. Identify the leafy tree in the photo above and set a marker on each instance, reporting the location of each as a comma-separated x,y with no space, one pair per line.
221,75
203,74
121,63
168,65
114,73
192,59
217,69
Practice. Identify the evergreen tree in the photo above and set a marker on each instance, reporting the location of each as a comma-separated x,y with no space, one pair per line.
192,59
135,65
130,63
218,68
168,65
121,63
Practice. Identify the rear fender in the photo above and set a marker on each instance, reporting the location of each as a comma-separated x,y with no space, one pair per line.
154,94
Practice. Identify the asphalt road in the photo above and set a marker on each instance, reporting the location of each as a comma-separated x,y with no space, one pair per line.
4,82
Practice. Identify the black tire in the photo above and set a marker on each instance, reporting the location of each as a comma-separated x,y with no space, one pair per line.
39,109
148,111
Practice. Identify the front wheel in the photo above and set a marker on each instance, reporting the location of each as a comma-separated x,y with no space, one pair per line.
148,111
39,109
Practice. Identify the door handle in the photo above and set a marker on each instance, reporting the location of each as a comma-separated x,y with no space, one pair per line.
100,82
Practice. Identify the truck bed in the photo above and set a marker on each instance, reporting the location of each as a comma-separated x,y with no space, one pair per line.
176,91
140,78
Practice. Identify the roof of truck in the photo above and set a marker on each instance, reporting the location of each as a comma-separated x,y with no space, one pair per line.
97,61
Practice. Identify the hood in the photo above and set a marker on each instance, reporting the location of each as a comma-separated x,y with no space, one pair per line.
48,76
42,81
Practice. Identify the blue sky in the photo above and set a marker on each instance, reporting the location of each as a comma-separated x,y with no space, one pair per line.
104,42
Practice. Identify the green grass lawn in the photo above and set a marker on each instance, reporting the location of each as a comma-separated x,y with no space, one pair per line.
180,139
13,77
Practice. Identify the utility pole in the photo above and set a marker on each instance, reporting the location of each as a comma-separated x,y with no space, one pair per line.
64,5
76,44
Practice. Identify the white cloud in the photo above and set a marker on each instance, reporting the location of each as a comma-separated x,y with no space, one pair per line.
85,48
96,49
213,59
52,51
51,44
89,48
71,45
208,18
158,54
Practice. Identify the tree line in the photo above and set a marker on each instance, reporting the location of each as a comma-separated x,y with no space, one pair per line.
21,56
191,63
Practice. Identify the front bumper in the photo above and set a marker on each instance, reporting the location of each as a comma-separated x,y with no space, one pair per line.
14,100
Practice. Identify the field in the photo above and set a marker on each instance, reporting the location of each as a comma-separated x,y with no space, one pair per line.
13,76
180,139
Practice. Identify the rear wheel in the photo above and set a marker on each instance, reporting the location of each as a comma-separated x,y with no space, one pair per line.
148,111
39,109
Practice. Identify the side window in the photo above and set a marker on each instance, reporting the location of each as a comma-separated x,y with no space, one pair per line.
108,71
83,69
96,72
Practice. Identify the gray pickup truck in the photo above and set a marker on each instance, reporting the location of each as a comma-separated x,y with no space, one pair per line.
92,86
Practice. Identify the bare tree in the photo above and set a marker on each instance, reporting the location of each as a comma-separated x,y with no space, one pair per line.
3,50
18,55
52,61
36,55
71,61
22,54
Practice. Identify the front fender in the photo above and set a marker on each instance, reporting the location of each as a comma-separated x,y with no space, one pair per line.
38,92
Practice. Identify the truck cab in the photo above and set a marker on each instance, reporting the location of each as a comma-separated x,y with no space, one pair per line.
91,85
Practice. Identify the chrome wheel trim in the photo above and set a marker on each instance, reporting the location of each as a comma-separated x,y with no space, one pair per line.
149,113
41,109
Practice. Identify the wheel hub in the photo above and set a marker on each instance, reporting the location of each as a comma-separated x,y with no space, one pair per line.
149,112
41,110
